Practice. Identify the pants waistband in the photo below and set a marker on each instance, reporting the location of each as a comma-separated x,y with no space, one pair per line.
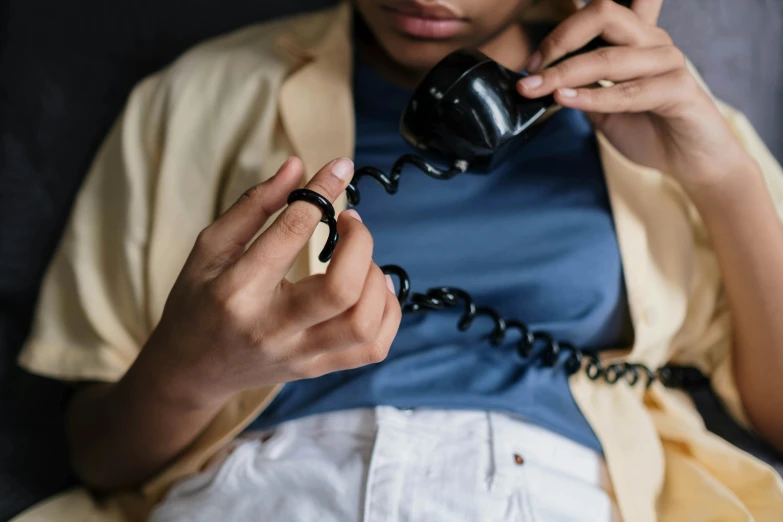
509,434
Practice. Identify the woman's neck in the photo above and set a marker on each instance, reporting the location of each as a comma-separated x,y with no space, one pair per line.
511,48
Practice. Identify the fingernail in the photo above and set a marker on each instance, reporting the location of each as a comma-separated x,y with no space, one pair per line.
567,93
532,82
342,168
390,284
534,62
352,213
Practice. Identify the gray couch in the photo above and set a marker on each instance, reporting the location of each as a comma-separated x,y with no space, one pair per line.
736,45
65,70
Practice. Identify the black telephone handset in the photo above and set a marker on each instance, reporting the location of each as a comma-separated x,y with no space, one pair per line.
467,110
467,114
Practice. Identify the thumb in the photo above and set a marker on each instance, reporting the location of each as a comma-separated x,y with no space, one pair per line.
228,236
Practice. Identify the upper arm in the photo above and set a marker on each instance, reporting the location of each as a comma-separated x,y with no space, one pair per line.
90,320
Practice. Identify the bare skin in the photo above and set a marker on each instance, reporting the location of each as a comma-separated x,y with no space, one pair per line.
659,116
233,322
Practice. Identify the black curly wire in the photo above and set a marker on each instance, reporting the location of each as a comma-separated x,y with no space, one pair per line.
549,352
391,181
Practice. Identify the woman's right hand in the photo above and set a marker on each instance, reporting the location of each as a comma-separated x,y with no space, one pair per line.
232,321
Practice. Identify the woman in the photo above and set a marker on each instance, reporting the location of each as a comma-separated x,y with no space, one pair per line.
659,233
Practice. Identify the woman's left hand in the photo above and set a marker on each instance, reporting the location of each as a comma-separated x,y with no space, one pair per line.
656,113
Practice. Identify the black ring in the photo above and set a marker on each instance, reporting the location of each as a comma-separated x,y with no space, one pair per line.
327,210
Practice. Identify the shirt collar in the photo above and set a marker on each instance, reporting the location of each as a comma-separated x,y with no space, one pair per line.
311,39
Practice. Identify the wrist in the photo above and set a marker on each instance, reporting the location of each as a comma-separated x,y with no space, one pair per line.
737,183
172,386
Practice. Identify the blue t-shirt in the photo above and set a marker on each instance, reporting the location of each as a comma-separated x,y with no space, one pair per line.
534,239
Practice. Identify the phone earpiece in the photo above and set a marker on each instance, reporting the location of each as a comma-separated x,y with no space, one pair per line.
467,109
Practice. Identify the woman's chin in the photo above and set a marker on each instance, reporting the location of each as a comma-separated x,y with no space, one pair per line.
418,55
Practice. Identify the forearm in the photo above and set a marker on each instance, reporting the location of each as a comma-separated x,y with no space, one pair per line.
748,239
121,434
232,322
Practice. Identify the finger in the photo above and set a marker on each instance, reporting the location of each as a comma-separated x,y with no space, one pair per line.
616,64
321,297
660,94
360,324
648,10
274,251
613,22
370,353
228,236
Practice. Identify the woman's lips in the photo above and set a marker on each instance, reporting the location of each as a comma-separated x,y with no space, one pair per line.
426,27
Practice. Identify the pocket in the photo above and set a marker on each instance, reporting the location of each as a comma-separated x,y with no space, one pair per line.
291,476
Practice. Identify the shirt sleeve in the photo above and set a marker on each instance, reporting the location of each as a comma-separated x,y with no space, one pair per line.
723,381
91,320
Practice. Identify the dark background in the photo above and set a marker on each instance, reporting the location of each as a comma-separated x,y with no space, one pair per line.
66,68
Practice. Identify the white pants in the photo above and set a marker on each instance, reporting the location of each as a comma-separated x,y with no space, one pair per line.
391,465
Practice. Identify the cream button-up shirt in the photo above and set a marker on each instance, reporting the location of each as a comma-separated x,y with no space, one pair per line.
223,117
